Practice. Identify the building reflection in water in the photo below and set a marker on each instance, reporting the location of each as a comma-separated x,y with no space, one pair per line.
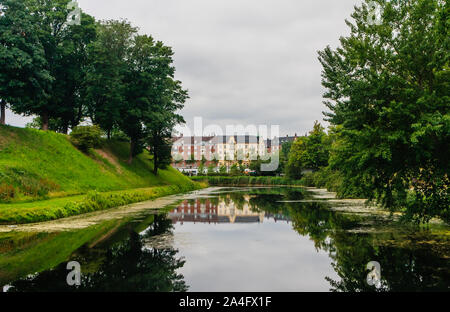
222,210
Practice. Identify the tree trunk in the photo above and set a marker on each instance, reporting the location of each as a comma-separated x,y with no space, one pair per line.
132,145
108,134
65,128
2,113
44,118
155,162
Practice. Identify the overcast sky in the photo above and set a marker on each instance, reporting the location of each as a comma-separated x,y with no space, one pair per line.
243,61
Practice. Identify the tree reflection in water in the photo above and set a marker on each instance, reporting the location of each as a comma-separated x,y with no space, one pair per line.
407,261
411,258
129,266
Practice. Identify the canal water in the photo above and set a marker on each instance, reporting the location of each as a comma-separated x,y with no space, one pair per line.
229,239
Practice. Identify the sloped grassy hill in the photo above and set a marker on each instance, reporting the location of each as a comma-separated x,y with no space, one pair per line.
37,165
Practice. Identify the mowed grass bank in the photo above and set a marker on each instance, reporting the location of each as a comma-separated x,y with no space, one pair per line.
42,165
40,170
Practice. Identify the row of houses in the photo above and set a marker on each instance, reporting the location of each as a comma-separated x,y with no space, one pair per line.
189,152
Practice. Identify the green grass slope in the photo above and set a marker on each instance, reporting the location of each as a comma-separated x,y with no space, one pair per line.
38,165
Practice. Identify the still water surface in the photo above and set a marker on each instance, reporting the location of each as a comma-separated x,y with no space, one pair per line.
228,239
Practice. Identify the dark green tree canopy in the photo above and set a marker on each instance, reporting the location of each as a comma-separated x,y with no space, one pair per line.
70,71
44,60
388,94
24,76
105,86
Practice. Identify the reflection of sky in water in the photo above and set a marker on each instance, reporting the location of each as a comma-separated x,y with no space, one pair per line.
268,256
231,242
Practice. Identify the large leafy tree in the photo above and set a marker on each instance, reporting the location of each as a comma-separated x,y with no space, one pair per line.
139,79
167,98
160,122
105,88
64,59
151,99
317,148
70,71
388,94
24,76
49,18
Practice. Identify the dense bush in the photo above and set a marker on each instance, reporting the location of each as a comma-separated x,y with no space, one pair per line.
86,137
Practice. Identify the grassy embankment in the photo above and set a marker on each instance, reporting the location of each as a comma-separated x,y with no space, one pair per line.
44,177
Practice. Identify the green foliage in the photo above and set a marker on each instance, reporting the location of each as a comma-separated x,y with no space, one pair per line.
333,181
53,57
294,165
119,135
54,124
211,170
70,68
388,96
86,137
105,87
139,96
284,156
223,170
201,169
256,165
310,152
24,76
285,149
235,170
161,116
